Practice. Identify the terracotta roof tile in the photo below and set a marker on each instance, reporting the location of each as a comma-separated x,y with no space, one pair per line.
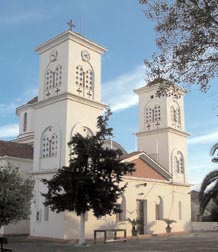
18,150
144,170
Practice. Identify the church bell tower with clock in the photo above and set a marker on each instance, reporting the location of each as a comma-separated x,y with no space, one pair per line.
69,94
69,101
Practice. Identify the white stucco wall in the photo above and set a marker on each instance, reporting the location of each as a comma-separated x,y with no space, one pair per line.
54,226
170,194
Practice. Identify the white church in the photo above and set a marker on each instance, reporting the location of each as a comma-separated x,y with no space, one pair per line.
69,101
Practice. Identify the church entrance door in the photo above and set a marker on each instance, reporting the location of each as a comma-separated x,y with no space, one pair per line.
141,215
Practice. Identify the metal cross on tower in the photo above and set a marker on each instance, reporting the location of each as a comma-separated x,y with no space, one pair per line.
71,25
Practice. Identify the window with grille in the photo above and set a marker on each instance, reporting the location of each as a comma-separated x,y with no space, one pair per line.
84,82
179,163
175,117
49,143
153,114
53,81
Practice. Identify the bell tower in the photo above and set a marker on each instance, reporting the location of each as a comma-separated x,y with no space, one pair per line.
161,128
70,63
69,101
69,97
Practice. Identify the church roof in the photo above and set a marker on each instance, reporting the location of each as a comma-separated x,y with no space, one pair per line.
34,100
131,154
114,145
18,150
146,167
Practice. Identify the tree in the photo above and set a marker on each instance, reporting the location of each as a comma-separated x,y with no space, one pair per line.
92,179
214,213
187,33
209,190
15,196
209,186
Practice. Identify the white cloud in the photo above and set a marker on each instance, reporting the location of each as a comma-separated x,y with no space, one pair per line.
118,93
205,139
8,131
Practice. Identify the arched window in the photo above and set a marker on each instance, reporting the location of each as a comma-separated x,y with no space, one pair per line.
25,122
82,130
53,81
152,117
49,143
178,163
159,208
122,215
152,114
180,210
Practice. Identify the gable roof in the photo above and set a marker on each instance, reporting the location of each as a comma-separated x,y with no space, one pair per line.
32,101
18,150
146,167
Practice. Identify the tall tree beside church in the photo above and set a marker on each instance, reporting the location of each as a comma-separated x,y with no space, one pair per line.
187,32
93,178
15,196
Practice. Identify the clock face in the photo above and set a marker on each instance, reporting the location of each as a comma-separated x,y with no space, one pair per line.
85,55
53,55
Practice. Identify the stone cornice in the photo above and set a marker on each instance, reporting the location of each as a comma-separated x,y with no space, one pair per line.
69,96
163,130
69,35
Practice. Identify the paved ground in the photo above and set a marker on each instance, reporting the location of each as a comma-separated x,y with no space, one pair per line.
204,241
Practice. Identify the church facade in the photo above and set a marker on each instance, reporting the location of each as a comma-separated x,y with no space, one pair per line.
68,102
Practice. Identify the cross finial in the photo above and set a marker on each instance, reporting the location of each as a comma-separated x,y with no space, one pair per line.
71,25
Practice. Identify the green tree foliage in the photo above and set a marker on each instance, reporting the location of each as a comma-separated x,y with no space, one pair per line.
209,187
209,190
92,179
214,213
187,33
15,196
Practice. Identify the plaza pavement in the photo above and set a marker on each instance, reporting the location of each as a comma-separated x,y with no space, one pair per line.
198,241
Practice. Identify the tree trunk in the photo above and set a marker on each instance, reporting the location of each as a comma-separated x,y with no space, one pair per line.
82,229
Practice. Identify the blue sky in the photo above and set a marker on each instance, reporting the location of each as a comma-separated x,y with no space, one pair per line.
121,27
